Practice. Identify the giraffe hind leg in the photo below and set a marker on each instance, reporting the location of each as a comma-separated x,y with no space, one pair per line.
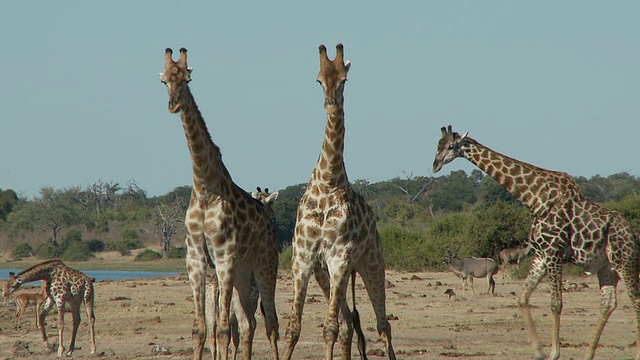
373,277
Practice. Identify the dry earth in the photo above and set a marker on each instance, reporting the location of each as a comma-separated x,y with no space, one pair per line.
134,317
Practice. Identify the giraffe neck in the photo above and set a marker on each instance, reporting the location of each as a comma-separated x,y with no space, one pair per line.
40,271
210,176
330,169
532,185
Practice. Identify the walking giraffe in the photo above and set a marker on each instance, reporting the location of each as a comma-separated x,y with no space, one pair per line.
62,285
567,226
224,225
335,230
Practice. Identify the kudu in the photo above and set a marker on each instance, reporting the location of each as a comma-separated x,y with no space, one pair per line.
472,267
512,256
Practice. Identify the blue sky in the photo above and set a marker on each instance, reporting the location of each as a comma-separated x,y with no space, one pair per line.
555,84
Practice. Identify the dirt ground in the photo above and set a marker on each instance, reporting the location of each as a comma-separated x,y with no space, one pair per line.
145,319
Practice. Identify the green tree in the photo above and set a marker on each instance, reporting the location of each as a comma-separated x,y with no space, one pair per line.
8,199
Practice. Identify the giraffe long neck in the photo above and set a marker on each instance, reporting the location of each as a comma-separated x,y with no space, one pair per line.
330,169
210,176
40,271
533,186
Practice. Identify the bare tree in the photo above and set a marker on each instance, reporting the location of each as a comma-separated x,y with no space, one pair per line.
166,219
412,188
100,194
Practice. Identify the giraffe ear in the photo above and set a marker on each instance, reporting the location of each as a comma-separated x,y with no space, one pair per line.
272,197
189,69
347,65
464,136
254,194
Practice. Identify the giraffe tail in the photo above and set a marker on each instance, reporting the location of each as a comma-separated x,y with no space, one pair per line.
355,319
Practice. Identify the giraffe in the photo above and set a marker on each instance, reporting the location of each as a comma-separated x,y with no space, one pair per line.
335,230
62,285
225,226
566,227
211,300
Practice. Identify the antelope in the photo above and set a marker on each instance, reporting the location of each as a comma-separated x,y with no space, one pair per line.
4,285
511,256
24,299
472,267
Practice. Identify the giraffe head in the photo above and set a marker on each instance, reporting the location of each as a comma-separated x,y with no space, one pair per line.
332,76
264,196
449,148
176,76
12,285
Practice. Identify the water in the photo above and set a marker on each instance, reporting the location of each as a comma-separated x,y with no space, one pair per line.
107,274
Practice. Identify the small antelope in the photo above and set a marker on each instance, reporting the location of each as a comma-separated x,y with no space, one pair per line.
24,299
512,256
472,267
4,285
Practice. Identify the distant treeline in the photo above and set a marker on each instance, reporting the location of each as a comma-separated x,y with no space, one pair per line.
419,218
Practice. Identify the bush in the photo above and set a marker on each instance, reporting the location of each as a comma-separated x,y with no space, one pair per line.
72,237
47,251
148,255
78,251
285,262
177,252
130,240
118,246
22,250
96,245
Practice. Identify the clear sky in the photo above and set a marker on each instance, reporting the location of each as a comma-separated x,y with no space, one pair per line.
553,83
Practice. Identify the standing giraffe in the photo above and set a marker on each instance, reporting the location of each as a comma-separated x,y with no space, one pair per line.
62,285
567,226
224,225
335,230
211,299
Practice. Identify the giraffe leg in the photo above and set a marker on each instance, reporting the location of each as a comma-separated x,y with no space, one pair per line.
339,272
630,278
265,272
608,280
75,314
555,282
373,276
197,271
537,271
46,307
60,302
225,270
88,304
242,321
211,311
301,272
345,335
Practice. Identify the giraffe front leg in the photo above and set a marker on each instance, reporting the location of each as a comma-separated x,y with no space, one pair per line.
555,282
225,270
46,307
340,278
197,271
75,313
346,332
537,271
60,327
301,272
